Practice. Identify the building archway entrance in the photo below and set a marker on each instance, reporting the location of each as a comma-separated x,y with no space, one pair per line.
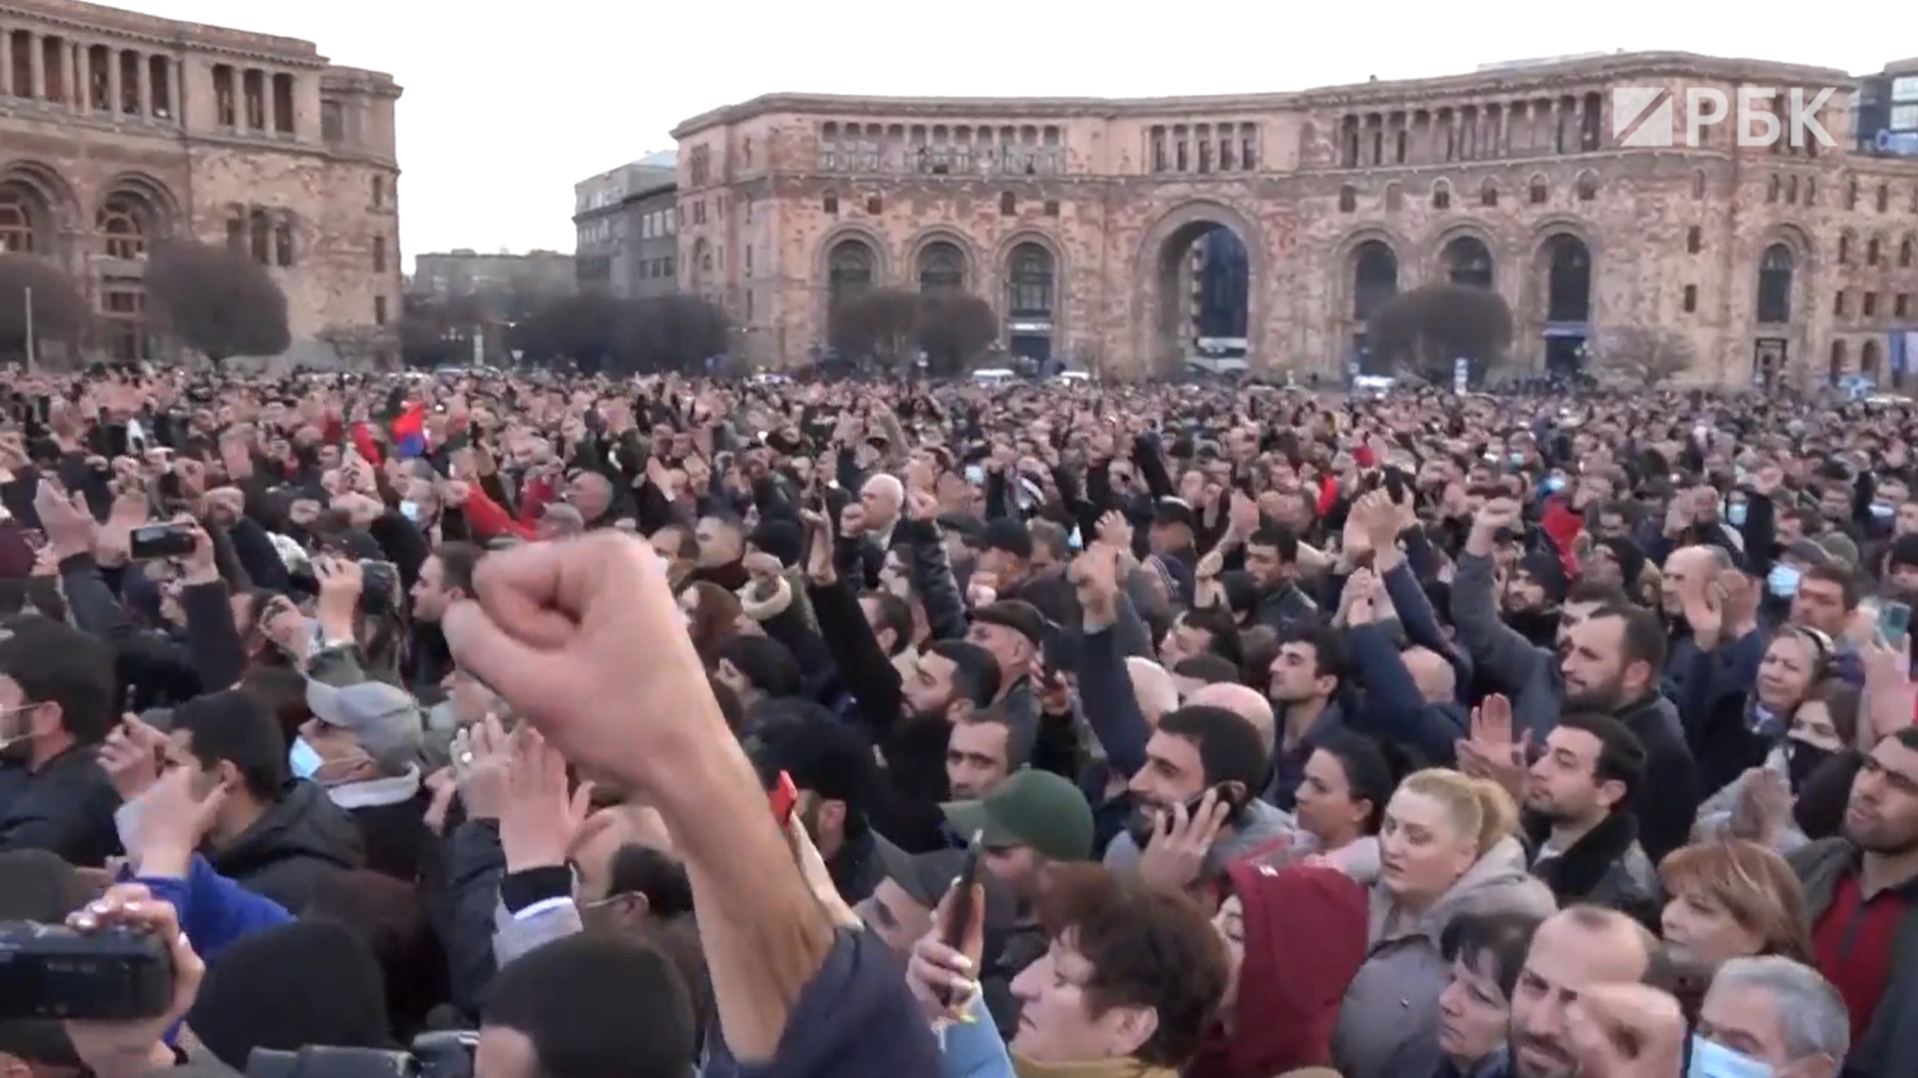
1204,285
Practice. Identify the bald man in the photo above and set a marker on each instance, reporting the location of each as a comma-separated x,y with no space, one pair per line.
1152,687
1575,950
1244,701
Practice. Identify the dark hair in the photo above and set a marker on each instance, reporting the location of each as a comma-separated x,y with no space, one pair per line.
323,964
1644,636
1230,748
457,562
638,869
1621,755
1280,538
56,663
1491,943
389,917
281,690
597,1006
975,675
1146,948
892,612
1593,593
766,663
1327,644
1208,667
1220,625
1840,574
1372,769
821,753
232,727
1019,735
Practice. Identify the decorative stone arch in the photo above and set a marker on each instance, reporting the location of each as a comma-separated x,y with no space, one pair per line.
1804,262
1347,248
917,244
147,189
1154,335
50,204
1432,256
1533,315
1849,251
1001,264
881,256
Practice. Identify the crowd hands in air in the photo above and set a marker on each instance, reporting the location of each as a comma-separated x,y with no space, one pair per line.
673,727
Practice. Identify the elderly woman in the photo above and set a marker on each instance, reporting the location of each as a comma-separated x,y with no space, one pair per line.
1730,900
1447,848
1128,988
1475,1010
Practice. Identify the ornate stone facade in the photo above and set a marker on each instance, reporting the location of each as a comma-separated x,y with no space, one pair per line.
118,128
1073,217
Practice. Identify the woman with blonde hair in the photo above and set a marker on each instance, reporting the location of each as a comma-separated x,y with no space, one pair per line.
1447,847
1732,899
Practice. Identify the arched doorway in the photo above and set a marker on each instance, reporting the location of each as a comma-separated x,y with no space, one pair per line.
1871,360
1030,276
1777,272
125,226
850,271
1839,357
1374,273
1468,261
942,268
1566,262
1205,296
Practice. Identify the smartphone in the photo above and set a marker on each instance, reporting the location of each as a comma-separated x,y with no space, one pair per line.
152,542
953,932
1894,621
784,797
1395,482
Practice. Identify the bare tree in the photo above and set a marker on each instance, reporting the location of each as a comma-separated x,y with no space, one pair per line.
217,301
674,333
1648,356
586,330
882,324
953,330
1428,329
60,311
361,347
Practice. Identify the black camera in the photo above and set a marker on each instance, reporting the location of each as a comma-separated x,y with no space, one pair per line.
434,1055
51,971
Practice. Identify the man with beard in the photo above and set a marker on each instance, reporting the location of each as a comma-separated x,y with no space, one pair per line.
1574,951
1611,664
1532,598
1272,560
1584,840
1859,891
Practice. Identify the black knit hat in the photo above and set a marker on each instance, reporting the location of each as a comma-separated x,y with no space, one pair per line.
308,982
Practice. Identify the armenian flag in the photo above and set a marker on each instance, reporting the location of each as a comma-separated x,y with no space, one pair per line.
409,430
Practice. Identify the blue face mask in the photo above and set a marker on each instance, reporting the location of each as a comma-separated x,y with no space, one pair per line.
411,511
1882,511
1735,514
1554,483
1713,1060
1783,581
302,760
1516,459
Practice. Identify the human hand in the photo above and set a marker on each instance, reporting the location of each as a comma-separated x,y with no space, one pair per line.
1492,752
945,979
174,817
341,582
134,1046
1626,1031
131,756
538,819
113,541
65,519
922,505
1180,841
481,757
1115,530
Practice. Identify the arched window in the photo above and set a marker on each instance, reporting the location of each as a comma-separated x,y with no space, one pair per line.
942,268
1375,278
1537,191
1873,249
1029,284
122,227
1775,272
1844,249
1488,193
1348,198
1587,186
1568,280
1467,261
849,270
1870,359
1906,252
1441,195
1840,355
17,219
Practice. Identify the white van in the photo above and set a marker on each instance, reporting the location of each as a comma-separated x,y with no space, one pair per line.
993,376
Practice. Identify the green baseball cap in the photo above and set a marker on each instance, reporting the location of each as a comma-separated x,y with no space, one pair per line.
1031,808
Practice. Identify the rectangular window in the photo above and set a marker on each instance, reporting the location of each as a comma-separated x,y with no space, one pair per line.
225,112
1691,298
379,310
1904,117
379,254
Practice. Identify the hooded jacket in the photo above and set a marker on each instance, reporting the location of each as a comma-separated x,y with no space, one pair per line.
1388,1022
1304,940
300,840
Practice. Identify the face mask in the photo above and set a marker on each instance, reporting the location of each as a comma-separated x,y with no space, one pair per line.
1782,582
303,760
1735,513
1801,760
1516,459
411,511
1882,511
976,474
16,730
1713,1060
1555,483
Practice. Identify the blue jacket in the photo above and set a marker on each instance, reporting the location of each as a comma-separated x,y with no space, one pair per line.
973,1049
214,911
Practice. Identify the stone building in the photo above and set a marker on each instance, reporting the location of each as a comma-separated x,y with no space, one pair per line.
465,272
118,128
1085,222
627,223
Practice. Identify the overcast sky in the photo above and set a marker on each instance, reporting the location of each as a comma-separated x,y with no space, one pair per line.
507,105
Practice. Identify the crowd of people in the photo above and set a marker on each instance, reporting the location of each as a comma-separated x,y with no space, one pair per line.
661,727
